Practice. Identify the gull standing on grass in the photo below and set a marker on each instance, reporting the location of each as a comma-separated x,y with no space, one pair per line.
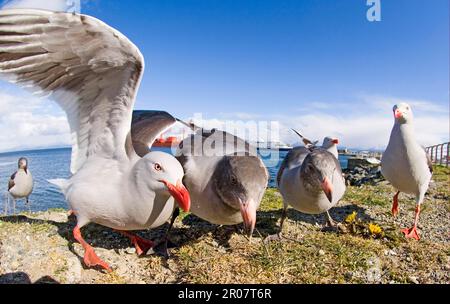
310,180
93,72
329,143
225,177
405,164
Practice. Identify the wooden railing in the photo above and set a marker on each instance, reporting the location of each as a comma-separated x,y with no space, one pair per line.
440,154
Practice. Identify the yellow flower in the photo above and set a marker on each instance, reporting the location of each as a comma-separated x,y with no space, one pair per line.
351,218
375,230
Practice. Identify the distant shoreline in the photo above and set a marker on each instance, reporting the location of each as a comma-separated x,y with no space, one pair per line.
69,148
35,150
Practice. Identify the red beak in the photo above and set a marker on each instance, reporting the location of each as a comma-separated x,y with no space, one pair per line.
248,212
398,114
327,187
180,194
335,141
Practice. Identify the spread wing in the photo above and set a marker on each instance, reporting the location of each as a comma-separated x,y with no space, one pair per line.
295,157
91,70
147,126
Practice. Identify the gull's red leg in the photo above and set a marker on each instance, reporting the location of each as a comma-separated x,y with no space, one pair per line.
395,205
90,258
412,232
142,245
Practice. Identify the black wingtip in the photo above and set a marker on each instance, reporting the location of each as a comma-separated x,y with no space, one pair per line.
190,125
298,133
308,143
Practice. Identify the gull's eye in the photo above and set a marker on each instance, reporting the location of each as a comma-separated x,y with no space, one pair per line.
158,167
233,181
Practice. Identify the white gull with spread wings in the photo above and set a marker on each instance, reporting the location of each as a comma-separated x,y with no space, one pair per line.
93,72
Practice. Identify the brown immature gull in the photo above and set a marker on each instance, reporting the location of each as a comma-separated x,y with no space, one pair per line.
93,72
405,164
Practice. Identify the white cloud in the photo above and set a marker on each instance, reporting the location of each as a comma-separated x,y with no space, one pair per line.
27,122
369,131
365,124
387,102
54,5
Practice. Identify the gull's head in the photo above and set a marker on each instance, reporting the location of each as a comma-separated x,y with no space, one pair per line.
403,113
329,142
240,182
23,163
165,175
318,171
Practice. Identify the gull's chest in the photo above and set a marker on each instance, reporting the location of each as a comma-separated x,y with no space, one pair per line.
404,165
23,184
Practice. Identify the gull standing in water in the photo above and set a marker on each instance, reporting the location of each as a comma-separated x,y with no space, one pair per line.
93,72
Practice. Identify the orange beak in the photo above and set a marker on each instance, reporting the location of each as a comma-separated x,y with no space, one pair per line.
327,188
335,141
248,212
180,194
398,114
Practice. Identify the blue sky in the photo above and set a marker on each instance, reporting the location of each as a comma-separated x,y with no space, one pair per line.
289,60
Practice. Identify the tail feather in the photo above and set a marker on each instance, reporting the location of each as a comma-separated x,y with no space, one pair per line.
60,183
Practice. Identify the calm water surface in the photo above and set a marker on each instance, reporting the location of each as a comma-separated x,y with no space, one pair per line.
55,163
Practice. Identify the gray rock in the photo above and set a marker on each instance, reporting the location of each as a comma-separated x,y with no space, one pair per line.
413,280
130,250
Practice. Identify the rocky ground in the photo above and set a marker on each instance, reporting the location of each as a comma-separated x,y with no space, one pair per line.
39,247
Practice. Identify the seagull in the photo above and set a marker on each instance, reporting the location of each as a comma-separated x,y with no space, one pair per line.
311,181
308,143
329,143
93,72
225,177
405,164
20,185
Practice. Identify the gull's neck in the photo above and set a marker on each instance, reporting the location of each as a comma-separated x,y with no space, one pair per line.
406,130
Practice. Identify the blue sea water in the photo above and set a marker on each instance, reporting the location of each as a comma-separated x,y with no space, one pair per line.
55,163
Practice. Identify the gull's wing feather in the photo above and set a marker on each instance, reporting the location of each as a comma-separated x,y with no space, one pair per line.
147,126
215,143
295,157
308,143
429,161
190,125
91,70
11,182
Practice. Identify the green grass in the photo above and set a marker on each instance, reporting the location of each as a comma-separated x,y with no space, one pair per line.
272,200
57,210
309,256
318,258
367,195
441,173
